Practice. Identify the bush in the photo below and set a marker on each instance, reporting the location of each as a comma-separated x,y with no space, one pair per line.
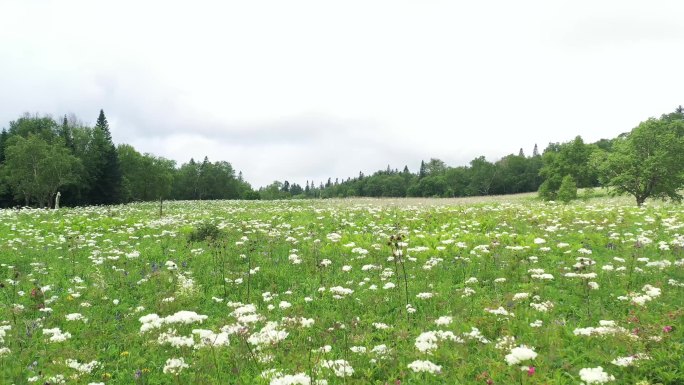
567,190
204,231
546,192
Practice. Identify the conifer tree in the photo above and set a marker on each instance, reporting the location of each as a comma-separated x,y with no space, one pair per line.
3,143
535,152
106,170
66,135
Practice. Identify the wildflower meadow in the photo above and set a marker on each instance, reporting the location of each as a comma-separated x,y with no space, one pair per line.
362,291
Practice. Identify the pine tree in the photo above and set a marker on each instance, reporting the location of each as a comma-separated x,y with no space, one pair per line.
3,140
406,170
103,125
535,152
521,153
106,172
423,170
65,134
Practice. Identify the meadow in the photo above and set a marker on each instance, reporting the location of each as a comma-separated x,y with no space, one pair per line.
364,291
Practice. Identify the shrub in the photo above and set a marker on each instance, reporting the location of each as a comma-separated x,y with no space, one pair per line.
546,192
567,190
204,231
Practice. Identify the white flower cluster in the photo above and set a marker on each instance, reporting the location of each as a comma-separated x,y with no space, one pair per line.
605,328
505,343
520,354
175,365
629,360
424,366
301,321
500,311
595,376
581,275
170,337
294,259
649,293
475,334
341,368
153,321
245,314
427,342
334,237
432,262
339,291
76,317
543,306
56,335
520,296
186,286
83,368
268,335
291,379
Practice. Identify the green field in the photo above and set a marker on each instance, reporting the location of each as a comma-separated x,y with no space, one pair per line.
492,291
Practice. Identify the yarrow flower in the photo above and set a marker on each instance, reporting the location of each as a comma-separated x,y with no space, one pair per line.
595,376
175,365
424,366
341,368
520,354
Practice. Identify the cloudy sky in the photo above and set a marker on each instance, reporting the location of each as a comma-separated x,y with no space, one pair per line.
303,90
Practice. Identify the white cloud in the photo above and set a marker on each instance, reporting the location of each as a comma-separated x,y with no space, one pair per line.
308,89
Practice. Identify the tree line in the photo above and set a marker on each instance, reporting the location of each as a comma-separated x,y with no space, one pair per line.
39,157
646,162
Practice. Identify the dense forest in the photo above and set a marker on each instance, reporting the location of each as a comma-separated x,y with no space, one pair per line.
41,157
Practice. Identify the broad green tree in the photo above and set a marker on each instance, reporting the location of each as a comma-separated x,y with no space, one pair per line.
482,176
144,177
571,158
648,162
36,169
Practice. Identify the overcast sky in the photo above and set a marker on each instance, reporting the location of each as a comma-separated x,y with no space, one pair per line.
303,90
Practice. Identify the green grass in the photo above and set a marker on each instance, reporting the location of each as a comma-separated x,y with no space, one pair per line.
121,253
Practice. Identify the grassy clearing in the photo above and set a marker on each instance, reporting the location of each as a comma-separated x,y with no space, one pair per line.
417,291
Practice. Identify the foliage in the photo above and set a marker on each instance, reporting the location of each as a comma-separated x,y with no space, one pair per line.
298,287
205,231
509,175
567,190
146,177
648,162
105,174
83,163
35,169
103,165
571,158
